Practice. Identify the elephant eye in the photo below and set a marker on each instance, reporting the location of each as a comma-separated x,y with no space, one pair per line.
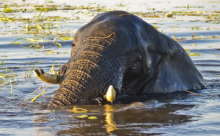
136,62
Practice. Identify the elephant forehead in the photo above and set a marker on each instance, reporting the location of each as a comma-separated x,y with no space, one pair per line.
110,32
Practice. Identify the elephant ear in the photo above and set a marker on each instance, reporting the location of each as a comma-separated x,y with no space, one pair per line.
172,68
176,71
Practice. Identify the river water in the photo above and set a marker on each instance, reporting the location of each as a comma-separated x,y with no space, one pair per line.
197,29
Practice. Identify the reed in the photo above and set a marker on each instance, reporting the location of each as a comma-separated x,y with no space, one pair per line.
7,76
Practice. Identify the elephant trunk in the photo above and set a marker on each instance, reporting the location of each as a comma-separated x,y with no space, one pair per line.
87,77
49,78
77,86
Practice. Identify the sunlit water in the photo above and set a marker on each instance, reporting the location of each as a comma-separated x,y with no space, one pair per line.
171,114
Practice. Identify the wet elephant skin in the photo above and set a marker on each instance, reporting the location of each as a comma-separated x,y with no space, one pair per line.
120,49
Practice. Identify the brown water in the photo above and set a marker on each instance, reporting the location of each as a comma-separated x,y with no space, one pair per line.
180,113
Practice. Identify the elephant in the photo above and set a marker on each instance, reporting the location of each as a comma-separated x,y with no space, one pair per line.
121,50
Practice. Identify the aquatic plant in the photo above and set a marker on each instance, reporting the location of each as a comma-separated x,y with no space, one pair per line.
39,95
44,32
78,110
194,54
30,70
196,28
46,8
7,9
35,91
6,77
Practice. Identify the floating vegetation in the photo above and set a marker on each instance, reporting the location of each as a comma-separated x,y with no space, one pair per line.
170,14
173,26
78,110
190,13
44,31
7,9
194,54
81,110
187,50
148,14
65,38
202,37
45,27
213,17
46,8
187,6
82,116
194,37
195,28
178,39
92,117
85,116
27,40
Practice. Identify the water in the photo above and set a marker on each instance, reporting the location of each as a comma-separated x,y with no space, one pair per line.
176,114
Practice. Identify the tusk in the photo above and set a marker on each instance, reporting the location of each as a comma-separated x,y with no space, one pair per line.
49,78
110,94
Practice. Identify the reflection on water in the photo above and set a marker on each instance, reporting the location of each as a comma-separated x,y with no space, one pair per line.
109,119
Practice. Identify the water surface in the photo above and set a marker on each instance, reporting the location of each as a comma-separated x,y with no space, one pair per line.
180,113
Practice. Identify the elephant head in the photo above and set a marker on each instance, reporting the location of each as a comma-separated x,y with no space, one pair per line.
120,49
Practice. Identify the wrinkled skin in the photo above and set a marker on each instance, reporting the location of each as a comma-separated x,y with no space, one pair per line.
120,49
